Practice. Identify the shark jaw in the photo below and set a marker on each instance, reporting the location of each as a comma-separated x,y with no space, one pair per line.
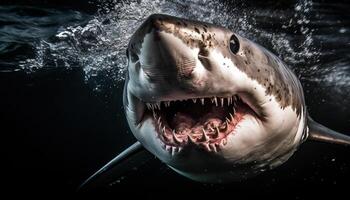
198,122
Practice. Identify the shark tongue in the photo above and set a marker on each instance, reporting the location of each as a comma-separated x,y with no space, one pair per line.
185,121
182,121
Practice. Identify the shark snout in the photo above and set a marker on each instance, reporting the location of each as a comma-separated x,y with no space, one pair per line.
160,53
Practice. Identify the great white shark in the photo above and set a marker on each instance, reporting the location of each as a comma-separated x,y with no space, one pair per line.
211,104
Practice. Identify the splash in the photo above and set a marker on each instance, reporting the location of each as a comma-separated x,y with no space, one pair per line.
99,46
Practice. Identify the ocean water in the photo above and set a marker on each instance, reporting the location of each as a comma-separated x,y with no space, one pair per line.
62,68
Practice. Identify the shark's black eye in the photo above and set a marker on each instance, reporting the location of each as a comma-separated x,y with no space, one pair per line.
234,44
127,53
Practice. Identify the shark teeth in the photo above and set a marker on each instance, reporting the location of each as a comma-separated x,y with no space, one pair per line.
218,101
172,149
205,137
211,138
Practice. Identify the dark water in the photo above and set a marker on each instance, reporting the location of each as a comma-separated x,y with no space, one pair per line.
61,77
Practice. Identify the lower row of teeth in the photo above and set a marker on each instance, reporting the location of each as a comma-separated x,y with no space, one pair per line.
201,139
209,147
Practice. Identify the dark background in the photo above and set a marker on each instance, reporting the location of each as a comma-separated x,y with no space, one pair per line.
55,132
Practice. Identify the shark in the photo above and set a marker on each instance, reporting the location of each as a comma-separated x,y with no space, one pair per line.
212,105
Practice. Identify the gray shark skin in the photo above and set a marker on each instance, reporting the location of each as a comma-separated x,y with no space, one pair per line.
212,105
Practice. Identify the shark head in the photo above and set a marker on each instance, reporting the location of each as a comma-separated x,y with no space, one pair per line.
209,102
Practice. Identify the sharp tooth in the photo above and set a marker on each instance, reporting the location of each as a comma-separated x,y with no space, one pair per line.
217,129
191,139
227,120
230,100
231,116
159,124
202,100
234,110
211,128
163,130
213,147
223,126
173,150
216,135
158,120
177,140
222,102
179,149
194,100
204,136
226,124
167,148
216,101
206,146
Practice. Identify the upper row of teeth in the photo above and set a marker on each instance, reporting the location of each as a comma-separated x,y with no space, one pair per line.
216,100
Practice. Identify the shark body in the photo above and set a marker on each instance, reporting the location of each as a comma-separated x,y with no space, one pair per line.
212,105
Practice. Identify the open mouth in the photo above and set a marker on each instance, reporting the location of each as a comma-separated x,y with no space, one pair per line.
205,122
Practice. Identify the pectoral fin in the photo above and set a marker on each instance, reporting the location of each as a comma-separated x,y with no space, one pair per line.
123,162
319,132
